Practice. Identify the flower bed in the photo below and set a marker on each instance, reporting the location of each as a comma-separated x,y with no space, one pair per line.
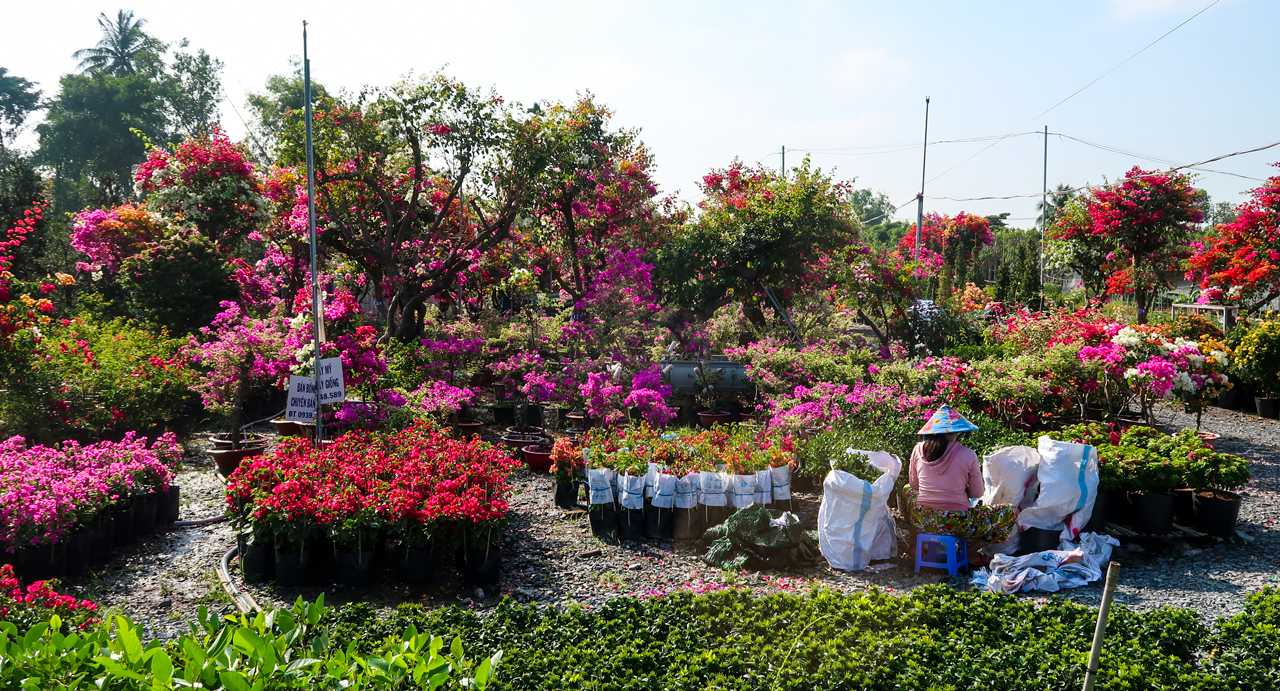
46,492
416,488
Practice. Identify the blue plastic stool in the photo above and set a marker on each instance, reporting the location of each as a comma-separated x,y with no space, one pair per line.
952,550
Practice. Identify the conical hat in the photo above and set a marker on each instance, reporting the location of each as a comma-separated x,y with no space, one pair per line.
946,420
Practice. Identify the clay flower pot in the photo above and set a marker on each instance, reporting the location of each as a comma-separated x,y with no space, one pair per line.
708,418
228,460
468,428
538,458
286,428
225,440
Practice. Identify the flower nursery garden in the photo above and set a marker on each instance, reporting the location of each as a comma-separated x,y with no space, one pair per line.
596,437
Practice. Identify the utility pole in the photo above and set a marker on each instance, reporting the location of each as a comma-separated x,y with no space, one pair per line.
924,161
1044,211
784,161
316,312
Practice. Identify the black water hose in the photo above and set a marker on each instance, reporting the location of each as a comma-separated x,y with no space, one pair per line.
202,521
243,601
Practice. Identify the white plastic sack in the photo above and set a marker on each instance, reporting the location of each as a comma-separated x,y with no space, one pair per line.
1009,476
764,487
743,489
600,484
781,482
650,480
1069,566
1068,475
631,491
687,491
664,491
854,523
712,488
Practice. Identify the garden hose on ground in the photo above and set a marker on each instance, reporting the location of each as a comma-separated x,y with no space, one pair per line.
243,601
202,521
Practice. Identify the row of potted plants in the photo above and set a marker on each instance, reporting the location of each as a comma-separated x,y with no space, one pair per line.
418,490
642,482
1150,480
61,506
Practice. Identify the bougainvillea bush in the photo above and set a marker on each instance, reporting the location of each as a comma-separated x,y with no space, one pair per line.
46,491
412,487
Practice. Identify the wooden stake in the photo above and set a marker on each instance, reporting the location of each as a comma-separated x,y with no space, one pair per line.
1095,652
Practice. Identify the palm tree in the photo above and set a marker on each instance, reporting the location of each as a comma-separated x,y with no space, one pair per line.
1058,199
122,41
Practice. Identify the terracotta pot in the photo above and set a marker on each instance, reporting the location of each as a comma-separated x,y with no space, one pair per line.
286,428
223,440
579,420
517,442
228,460
747,417
527,430
707,418
468,428
306,429
538,458
1208,438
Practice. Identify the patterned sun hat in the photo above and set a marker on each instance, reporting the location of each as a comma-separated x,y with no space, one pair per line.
946,420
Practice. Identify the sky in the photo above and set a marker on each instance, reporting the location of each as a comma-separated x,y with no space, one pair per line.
706,82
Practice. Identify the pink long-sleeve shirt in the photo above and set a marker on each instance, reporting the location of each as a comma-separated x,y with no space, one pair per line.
948,483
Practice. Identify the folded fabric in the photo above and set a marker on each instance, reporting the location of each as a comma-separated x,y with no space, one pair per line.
1070,566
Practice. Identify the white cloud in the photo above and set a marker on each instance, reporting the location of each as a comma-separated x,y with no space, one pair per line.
861,69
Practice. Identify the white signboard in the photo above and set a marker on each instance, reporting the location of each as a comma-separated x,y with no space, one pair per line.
302,399
332,387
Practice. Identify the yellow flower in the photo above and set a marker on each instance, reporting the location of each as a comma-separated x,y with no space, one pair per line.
26,300
65,279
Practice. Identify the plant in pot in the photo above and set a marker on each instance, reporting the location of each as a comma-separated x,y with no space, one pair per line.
1154,478
1257,359
352,519
705,380
1214,477
649,396
567,469
442,401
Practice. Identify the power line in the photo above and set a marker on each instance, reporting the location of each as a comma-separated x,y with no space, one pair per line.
1264,147
1156,159
1077,91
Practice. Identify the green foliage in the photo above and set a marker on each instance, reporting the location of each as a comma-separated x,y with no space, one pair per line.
278,649
1257,358
18,97
933,638
178,283
856,464
895,433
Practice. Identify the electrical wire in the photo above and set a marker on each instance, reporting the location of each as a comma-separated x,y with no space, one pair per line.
1077,91
1156,159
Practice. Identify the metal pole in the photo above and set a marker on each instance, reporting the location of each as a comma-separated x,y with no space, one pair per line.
923,162
784,161
1044,209
316,313
1100,629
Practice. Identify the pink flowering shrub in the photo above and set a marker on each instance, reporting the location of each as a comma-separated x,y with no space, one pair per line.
604,397
109,236
650,395
238,348
45,491
439,399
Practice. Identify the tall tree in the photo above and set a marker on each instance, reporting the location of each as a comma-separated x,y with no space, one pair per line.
123,43
18,97
1050,209
283,95
195,90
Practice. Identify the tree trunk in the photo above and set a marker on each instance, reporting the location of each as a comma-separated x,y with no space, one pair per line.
1140,298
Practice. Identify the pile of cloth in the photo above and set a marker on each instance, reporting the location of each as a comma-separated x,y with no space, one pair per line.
1072,565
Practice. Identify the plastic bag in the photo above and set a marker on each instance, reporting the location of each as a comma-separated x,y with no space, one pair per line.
600,484
687,491
664,491
760,538
1068,475
854,523
1009,476
781,482
764,487
743,489
712,488
631,491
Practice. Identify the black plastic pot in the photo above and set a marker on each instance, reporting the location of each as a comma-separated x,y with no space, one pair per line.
353,568
604,520
123,524
1119,510
1268,407
102,537
631,524
1184,509
415,565
1217,512
257,561
170,505
1232,399
481,567
1152,512
659,524
1039,540
42,562
79,546
566,494
688,524
293,568
1098,518
713,516
504,415
144,514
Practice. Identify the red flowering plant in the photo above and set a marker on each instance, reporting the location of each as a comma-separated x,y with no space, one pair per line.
1238,263
956,239
26,607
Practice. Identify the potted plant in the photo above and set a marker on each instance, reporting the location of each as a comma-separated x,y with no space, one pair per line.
1258,361
538,457
1154,478
356,536
1214,476
705,381
567,466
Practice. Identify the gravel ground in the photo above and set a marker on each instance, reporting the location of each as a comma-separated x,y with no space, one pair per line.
552,559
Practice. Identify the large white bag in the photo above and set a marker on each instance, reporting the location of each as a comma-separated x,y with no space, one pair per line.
854,523
743,490
631,491
1009,476
764,486
687,491
1068,475
711,488
600,482
781,482
664,491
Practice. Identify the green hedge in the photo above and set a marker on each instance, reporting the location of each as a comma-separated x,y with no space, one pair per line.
933,638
